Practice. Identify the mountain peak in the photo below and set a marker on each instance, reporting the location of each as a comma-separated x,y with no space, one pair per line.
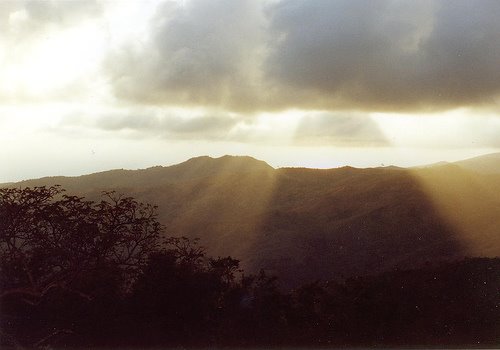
226,163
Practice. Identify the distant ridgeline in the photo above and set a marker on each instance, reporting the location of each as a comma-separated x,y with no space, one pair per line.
307,224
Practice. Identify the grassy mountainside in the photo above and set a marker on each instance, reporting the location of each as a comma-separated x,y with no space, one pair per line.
487,164
306,224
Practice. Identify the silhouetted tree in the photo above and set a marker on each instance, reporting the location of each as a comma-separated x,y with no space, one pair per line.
52,244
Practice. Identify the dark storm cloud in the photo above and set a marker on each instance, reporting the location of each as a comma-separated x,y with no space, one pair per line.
201,53
384,55
388,55
339,130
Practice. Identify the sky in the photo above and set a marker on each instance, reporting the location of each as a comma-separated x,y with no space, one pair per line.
90,86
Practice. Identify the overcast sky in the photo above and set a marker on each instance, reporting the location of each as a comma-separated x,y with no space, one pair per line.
88,86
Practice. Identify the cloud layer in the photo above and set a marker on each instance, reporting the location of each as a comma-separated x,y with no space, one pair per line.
339,130
293,72
251,56
200,53
372,55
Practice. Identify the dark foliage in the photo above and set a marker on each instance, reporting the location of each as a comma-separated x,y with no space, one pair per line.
63,259
82,274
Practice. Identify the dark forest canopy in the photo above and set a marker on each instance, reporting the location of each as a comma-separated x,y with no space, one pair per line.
78,273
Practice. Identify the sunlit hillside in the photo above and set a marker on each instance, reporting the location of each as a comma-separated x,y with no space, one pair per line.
306,224
487,164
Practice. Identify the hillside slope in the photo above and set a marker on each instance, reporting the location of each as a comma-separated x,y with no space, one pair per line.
486,164
305,224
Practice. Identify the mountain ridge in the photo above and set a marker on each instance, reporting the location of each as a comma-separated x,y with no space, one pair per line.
196,166
486,164
304,224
